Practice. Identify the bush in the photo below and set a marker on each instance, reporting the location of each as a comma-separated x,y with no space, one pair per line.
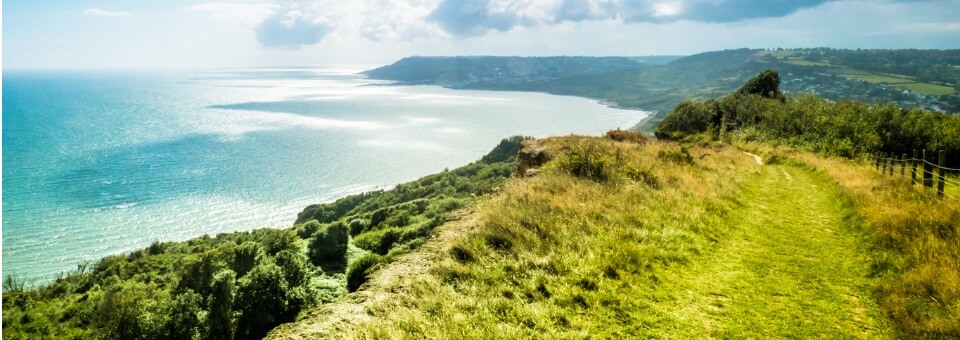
277,240
245,257
379,241
220,317
625,136
360,270
586,161
329,245
294,268
264,299
679,156
308,229
687,119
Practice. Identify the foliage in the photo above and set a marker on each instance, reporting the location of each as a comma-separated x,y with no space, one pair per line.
586,161
329,245
766,85
240,285
845,128
220,322
360,270
381,221
626,136
264,300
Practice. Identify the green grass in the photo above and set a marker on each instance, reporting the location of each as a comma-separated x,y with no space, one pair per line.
927,88
895,80
710,245
791,268
800,62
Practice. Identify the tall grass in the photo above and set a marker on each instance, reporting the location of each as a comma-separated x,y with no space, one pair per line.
574,252
917,253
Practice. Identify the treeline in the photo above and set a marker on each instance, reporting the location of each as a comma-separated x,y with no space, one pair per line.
241,285
760,111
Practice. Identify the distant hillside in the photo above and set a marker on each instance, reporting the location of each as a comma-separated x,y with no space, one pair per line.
470,72
911,78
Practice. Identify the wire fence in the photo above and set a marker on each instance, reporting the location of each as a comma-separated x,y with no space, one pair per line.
923,171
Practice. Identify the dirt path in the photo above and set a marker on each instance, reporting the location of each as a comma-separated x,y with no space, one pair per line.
790,269
335,320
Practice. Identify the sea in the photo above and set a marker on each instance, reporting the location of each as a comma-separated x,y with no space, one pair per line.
101,163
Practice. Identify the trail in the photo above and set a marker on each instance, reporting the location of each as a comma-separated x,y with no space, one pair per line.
789,269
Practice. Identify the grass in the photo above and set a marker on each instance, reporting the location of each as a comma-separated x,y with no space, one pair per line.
557,254
915,255
927,88
800,62
895,80
714,245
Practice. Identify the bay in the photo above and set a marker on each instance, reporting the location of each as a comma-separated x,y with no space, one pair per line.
100,163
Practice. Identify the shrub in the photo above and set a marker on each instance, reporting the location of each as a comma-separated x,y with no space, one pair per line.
220,316
586,161
679,156
277,240
245,257
379,241
625,136
360,270
357,226
687,119
308,229
329,245
294,268
265,300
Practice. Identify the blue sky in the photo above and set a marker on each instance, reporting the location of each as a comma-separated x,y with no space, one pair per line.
201,34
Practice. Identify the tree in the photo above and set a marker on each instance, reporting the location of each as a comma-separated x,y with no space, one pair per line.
766,84
220,316
264,300
184,322
246,256
294,269
329,245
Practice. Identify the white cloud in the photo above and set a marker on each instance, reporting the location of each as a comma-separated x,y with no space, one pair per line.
96,12
249,15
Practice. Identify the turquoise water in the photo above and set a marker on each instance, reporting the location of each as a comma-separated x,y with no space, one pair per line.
102,163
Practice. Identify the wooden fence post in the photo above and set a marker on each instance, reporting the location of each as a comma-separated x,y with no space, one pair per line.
941,162
883,159
927,171
913,167
903,164
893,160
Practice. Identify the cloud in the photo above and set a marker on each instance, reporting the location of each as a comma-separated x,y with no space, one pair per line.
291,30
474,17
250,15
96,12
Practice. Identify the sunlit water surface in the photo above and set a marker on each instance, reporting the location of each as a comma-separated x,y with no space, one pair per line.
100,163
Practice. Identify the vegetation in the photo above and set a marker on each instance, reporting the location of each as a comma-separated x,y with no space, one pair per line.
241,285
846,128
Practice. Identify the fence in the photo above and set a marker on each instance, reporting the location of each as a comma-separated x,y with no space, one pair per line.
931,175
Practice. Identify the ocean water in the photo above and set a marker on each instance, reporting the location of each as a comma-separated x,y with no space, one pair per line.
102,163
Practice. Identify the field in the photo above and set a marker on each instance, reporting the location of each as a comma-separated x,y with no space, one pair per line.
894,80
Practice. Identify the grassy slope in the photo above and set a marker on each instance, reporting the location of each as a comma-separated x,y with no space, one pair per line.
661,248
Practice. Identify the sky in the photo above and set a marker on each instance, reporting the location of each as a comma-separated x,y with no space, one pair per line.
180,34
